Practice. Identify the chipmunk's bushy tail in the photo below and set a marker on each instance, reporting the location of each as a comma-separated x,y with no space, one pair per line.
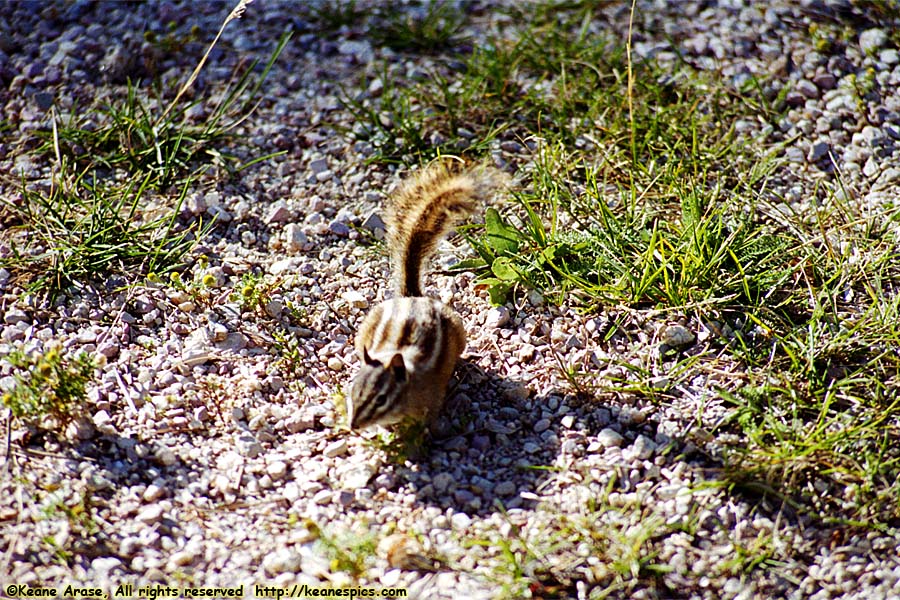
426,207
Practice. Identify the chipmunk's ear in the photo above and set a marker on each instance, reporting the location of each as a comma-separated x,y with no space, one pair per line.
398,368
368,359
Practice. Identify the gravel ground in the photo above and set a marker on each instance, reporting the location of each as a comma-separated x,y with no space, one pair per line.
204,464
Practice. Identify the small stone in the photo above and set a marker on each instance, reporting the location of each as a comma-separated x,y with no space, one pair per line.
248,445
542,426
460,521
355,299
360,50
808,88
153,493
285,265
277,470
374,223
274,308
319,165
889,56
294,237
339,228
794,99
234,342
196,204
573,343
643,447
676,336
105,564
283,560
278,213
13,316
336,448
101,419
505,488
870,169
193,357
219,214
44,100
609,438
151,514
298,423
512,146
818,151
182,558
443,482
358,476
335,363
322,497
108,349
531,447
291,491
888,177
871,40
825,81
166,457
463,496
497,317
376,86
525,353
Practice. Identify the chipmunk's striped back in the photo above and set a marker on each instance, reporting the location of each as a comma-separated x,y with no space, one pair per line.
409,345
400,341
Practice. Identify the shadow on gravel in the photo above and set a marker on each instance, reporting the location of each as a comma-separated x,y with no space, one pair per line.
84,486
502,446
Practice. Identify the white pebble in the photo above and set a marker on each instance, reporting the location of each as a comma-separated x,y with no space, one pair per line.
497,317
355,299
151,514
460,521
609,438
277,470
336,448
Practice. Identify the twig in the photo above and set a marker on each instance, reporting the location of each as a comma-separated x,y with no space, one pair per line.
235,14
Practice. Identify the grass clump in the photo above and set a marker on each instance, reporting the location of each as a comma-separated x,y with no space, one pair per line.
121,171
48,385
638,191
350,553
428,27
81,228
820,406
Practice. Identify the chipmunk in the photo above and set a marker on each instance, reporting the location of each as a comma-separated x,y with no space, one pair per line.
409,345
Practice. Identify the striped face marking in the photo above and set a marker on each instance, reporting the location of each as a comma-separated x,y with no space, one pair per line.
404,342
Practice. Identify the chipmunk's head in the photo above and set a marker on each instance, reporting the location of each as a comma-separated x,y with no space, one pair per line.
376,396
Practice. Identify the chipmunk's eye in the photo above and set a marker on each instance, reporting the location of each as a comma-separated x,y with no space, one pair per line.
379,401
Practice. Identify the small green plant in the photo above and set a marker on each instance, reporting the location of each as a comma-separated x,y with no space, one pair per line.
82,528
290,355
48,385
331,15
349,552
171,42
401,442
136,134
255,292
424,29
